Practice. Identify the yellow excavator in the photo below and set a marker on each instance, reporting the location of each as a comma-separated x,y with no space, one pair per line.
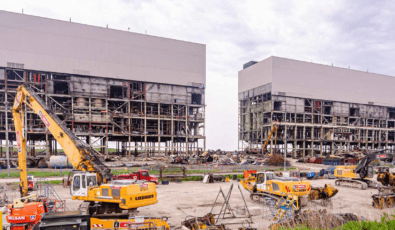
91,178
357,176
264,185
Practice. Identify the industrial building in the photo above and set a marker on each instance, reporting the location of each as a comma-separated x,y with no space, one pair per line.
318,109
113,89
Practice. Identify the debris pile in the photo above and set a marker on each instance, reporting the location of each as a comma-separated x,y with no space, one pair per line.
317,220
276,160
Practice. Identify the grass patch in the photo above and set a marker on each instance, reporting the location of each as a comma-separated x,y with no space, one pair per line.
35,174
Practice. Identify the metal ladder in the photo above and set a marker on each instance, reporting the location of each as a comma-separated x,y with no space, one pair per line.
48,191
285,206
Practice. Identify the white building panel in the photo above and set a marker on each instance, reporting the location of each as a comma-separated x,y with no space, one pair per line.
67,47
256,75
316,81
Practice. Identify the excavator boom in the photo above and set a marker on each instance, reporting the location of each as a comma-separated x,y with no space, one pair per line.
274,129
18,117
80,154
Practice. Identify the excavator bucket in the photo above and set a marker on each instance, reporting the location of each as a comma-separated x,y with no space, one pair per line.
330,191
323,193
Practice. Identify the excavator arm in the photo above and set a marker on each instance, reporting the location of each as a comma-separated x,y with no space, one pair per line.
362,167
18,117
80,154
274,129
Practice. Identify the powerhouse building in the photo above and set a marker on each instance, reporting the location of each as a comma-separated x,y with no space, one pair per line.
114,89
318,109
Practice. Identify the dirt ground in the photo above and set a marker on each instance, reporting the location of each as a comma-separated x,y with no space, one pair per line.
181,200
178,201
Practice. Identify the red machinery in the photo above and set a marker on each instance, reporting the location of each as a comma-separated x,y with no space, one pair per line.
141,174
25,212
248,172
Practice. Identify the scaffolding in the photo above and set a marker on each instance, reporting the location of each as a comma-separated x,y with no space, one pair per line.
312,126
134,116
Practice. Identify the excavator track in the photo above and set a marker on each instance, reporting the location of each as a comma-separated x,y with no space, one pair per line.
352,183
259,197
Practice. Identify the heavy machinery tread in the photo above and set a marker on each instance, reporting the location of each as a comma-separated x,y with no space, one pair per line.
351,183
84,208
262,196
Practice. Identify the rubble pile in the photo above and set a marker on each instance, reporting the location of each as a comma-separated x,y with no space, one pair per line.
317,219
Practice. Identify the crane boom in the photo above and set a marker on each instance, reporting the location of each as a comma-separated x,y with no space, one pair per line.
274,128
81,155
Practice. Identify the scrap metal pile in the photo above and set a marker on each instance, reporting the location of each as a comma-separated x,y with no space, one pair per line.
317,219
385,198
204,222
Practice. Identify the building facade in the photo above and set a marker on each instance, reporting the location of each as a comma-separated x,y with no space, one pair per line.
114,89
318,109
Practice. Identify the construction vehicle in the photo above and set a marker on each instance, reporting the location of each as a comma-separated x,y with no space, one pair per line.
267,185
72,220
31,183
385,176
385,198
141,174
91,178
357,176
25,212
249,179
274,129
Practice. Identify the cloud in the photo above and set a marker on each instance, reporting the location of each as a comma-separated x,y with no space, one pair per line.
347,33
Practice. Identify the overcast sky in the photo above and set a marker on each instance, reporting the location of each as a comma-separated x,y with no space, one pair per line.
359,34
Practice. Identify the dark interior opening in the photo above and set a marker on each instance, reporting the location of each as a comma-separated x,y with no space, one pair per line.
116,92
327,110
60,87
277,105
391,113
196,99
354,112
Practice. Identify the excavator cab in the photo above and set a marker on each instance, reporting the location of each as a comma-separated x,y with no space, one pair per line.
262,178
81,182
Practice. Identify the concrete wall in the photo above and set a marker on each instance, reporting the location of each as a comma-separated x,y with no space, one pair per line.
256,75
66,47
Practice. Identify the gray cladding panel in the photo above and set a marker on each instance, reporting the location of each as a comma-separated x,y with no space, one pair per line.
66,47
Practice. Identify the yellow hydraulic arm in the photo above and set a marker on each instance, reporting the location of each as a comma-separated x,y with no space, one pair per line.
274,128
18,117
80,154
